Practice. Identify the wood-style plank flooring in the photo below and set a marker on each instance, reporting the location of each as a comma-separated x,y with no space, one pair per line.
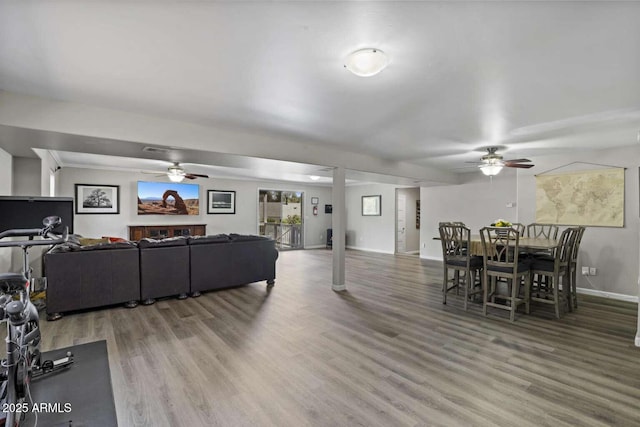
386,352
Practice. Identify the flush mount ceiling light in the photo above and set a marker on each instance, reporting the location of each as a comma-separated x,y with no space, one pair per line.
314,177
366,62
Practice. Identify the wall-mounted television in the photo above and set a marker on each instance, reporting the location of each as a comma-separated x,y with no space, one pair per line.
28,212
168,198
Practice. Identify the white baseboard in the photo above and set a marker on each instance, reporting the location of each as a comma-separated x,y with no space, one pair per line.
431,258
338,288
411,252
612,295
369,250
638,339
316,247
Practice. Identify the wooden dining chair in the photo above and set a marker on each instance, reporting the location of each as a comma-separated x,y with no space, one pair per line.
556,270
573,270
520,227
502,263
542,231
456,239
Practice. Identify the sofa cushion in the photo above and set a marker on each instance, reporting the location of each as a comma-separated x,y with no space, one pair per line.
245,237
203,240
170,241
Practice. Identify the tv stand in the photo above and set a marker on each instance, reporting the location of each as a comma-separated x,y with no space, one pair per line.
137,232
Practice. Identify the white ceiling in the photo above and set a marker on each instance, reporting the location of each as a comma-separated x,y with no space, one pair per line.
536,77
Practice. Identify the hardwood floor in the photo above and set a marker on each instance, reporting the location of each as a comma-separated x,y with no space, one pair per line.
386,352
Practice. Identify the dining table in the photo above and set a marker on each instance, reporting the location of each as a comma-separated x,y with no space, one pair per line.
529,244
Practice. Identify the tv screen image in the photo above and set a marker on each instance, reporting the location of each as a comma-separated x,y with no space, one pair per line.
168,198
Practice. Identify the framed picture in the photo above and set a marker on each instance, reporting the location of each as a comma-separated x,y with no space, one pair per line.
168,198
371,205
314,201
97,199
221,202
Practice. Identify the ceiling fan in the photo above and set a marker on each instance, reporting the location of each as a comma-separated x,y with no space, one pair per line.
176,173
492,163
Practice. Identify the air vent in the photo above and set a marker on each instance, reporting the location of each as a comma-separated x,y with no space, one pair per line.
156,150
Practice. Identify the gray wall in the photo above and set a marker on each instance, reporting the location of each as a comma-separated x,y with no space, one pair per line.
245,221
478,202
371,233
614,251
26,176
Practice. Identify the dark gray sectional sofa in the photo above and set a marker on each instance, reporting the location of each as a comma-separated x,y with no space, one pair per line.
105,274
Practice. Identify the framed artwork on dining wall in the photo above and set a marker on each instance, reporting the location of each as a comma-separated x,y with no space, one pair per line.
371,205
221,202
97,199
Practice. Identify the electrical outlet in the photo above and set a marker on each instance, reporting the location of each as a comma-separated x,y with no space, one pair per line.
585,271
593,271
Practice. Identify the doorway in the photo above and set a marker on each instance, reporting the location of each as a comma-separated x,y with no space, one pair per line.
281,218
407,221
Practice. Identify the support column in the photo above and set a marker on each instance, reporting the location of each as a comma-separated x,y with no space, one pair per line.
338,220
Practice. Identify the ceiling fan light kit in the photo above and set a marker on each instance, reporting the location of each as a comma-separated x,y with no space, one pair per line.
366,62
491,169
176,173
492,163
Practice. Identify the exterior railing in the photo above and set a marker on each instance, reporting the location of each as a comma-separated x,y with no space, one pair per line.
287,236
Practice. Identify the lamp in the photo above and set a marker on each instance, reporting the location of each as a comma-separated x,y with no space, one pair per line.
366,62
492,168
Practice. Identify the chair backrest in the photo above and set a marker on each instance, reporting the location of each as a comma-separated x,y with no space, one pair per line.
542,231
455,240
518,226
576,244
565,247
500,247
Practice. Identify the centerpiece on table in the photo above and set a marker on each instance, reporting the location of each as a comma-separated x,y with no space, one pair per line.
502,223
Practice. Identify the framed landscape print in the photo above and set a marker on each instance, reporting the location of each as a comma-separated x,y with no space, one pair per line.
97,199
371,205
221,202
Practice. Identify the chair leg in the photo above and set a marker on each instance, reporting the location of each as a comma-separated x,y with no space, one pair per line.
485,293
445,283
556,294
514,294
467,283
527,293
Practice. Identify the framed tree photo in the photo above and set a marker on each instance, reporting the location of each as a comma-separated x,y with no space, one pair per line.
221,202
97,199
371,205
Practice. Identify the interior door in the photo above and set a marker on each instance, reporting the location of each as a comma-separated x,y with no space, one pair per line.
401,222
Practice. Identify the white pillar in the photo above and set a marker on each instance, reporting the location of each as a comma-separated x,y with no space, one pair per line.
339,220
637,341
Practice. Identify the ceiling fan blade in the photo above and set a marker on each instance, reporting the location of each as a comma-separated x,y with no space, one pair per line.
518,165
195,175
517,161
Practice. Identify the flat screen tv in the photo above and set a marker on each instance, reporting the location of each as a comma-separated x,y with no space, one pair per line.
168,198
28,212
